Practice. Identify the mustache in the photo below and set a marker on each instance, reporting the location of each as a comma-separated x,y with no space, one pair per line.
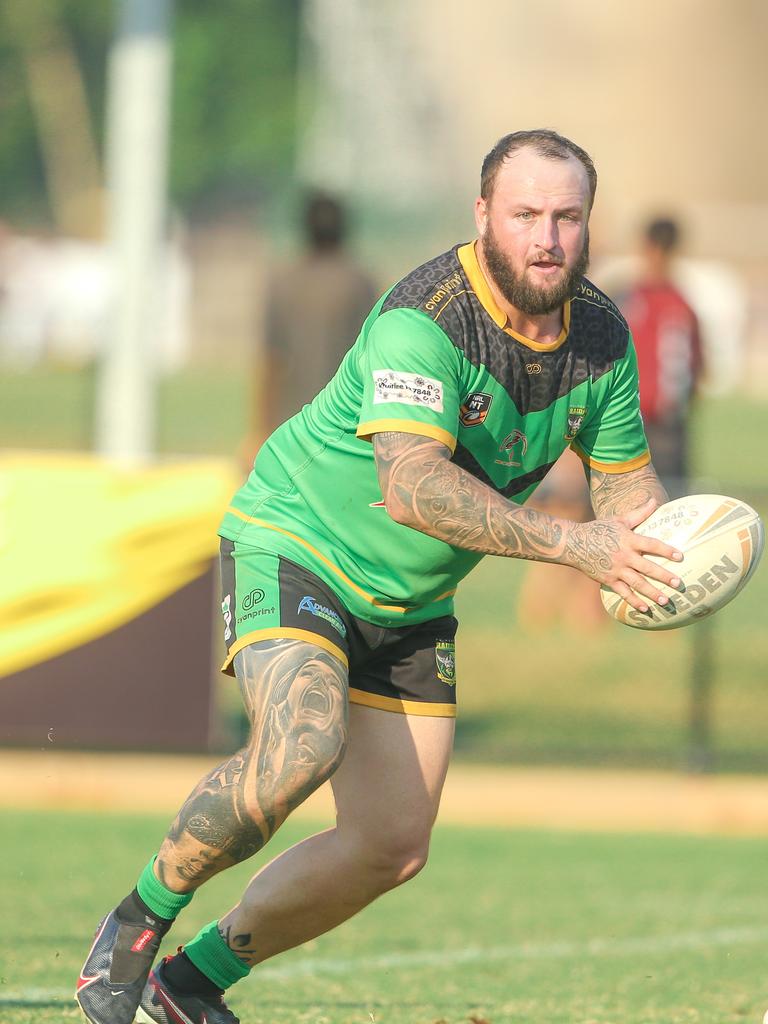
545,257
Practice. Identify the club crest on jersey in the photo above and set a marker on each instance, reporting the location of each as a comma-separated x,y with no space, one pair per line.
475,408
445,660
509,447
576,414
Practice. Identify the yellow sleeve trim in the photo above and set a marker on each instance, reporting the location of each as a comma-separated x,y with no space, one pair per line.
367,430
401,707
282,633
612,467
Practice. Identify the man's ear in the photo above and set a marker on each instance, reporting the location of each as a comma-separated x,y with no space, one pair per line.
481,214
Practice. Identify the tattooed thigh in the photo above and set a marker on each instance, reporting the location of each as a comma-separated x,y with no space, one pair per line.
295,694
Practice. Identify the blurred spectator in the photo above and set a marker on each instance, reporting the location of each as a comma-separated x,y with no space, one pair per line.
315,307
669,352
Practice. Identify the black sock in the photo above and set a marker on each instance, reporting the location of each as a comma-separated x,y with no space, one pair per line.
133,910
184,978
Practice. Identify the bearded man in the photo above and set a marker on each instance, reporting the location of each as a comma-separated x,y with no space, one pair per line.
341,555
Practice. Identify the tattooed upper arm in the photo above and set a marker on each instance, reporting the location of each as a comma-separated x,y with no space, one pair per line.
613,494
403,461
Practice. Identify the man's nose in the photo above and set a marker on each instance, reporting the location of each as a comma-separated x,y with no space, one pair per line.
546,235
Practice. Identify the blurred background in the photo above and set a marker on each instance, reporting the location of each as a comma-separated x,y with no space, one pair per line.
157,249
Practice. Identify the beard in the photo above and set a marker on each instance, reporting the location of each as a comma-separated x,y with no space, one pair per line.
533,300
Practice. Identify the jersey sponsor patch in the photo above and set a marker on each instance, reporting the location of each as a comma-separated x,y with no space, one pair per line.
445,660
475,408
407,389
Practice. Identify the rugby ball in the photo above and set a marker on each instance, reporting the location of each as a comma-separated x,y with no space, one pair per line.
721,539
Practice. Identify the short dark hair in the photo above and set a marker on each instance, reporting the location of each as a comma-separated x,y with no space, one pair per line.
664,233
325,222
547,143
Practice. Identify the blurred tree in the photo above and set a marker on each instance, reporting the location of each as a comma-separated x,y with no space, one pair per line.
56,92
234,95
233,116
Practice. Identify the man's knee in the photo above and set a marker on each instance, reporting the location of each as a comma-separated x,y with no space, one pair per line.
393,859
292,767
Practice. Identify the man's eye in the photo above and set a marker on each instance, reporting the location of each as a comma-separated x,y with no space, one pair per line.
524,215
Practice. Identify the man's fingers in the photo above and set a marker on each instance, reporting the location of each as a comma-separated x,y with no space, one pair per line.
653,546
640,514
652,570
633,599
646,586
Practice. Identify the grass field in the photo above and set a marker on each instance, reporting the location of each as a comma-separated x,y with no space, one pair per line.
502,927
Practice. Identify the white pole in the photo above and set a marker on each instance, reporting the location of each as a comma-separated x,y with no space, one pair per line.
136,164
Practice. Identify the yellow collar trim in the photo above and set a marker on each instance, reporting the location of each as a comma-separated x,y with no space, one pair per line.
468,259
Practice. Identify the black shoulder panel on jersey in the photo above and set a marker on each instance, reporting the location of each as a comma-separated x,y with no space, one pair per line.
464,458
429,286
599,332
597,337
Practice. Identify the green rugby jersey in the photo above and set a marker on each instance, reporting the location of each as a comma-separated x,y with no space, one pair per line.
435,357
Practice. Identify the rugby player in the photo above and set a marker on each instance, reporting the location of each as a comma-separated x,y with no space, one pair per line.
340,559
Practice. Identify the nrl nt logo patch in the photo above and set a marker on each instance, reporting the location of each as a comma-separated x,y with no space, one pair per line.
475,408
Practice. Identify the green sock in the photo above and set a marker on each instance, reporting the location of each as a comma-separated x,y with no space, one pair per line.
211,955
158,898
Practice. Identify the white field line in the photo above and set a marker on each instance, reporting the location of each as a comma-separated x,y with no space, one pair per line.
336,966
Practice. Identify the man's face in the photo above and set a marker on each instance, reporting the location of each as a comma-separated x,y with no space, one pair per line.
534,230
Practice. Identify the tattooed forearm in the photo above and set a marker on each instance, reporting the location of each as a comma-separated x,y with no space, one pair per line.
423,489
613,494
296,696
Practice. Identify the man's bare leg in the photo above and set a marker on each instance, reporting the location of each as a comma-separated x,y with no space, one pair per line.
387,794
296,697
295,694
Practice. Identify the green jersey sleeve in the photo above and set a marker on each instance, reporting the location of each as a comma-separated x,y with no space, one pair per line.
411,372
612,439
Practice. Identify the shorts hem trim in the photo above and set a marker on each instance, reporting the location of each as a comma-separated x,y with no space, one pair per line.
401,707
282,633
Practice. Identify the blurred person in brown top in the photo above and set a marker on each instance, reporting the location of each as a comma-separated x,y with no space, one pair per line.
314,308
669,353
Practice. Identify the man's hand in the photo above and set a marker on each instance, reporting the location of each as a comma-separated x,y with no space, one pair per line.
424,490
608,551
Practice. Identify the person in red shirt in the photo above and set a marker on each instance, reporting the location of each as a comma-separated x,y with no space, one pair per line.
666,334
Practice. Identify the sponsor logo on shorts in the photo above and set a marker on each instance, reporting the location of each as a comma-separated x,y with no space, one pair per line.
407,389
509,447
576,414
309,604
255,614
445,660
255,597
226,611
475,408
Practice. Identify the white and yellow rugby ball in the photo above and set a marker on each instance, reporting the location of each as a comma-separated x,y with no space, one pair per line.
722,541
